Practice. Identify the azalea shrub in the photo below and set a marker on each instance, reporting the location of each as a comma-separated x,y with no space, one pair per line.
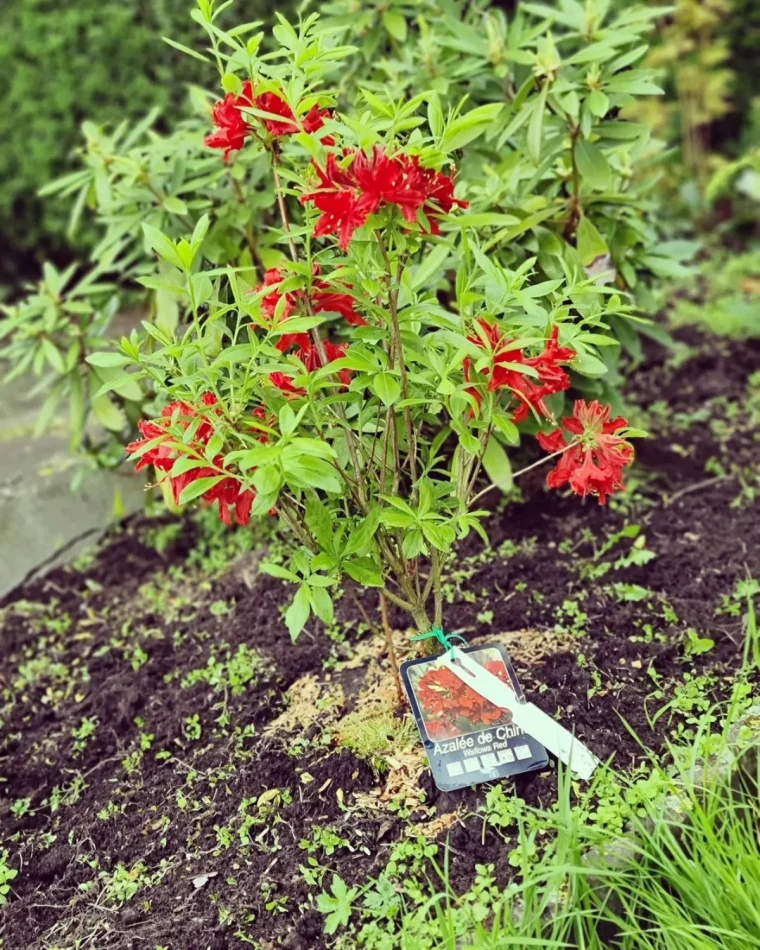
534,108
367,389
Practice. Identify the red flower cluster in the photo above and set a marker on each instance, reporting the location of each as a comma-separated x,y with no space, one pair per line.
323,300
446,700
308,353
528,391
359,185
233,127
228,492
594,464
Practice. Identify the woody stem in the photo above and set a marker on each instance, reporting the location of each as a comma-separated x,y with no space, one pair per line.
399,353
391,648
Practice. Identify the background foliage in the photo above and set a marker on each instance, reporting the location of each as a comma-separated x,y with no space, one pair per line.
102,60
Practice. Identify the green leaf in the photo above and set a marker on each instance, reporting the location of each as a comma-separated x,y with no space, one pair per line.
413,544
469,443
592,165
431,266
395,24
378,105
186,463
312,472
197,487
53,355
319,521
49,406
536,126
507,428
441,536
590,242
386,387
232,83
497,465
298,612
665,266
185,49
589,365
108,359
486,219
267,479
397,519
162,245
435,116
175,205
467,127
336,907
275,570
362,537
598,103
200,231
105,411
364,571
287,419
321,603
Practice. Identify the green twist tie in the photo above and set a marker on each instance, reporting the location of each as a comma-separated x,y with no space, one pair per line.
441,637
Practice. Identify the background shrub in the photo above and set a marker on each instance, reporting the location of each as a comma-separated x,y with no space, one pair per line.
102,60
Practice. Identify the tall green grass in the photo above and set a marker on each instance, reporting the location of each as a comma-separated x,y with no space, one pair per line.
691,880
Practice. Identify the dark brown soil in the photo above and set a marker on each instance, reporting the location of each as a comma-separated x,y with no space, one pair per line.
554,571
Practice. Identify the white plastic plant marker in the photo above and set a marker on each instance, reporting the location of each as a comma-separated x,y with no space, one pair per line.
552,736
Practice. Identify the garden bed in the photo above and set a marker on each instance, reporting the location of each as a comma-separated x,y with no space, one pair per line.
172,761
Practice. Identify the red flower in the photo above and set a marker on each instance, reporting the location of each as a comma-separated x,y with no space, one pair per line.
273,278
439,195
594,464
228,492
271,102
285,384
529,392
346,196
323,299
310,356
234,128
232,498
308,353
339,199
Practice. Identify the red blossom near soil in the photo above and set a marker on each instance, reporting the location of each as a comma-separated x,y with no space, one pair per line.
594,464
351,189
228,492
446,698
529,392
324,299
233,128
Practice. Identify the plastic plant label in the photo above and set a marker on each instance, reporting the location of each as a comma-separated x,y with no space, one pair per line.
534,721
469,739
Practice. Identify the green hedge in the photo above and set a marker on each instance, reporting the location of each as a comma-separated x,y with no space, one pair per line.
69,60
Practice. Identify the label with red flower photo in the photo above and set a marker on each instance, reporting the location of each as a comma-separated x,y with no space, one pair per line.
467,738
